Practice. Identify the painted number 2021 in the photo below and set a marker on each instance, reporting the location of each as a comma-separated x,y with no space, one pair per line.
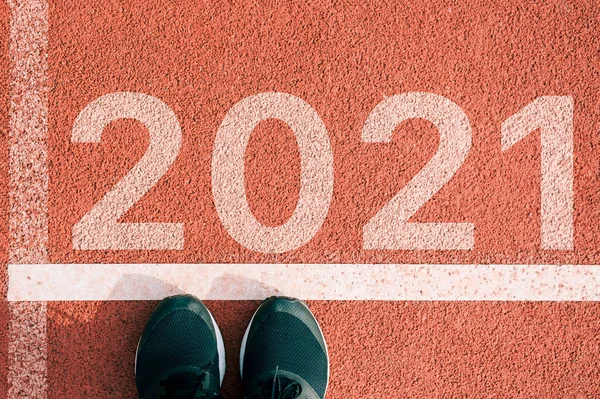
389,229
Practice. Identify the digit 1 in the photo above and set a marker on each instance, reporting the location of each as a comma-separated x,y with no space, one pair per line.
553,115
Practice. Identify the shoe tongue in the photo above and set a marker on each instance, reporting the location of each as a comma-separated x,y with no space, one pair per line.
181,386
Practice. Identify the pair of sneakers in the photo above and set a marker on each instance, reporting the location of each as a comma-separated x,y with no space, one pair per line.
181,354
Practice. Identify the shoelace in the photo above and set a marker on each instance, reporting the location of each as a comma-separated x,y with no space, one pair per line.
291,389
187,386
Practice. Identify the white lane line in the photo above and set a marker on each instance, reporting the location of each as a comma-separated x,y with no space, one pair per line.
83,282
28,125
27,332
28,194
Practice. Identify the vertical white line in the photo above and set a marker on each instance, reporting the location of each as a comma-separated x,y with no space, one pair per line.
28,221
27,351
28,129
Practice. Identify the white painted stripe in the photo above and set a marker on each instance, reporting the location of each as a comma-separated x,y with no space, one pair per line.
27,350
28,124
28,193
83,282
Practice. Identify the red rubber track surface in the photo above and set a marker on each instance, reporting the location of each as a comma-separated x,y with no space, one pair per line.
202,57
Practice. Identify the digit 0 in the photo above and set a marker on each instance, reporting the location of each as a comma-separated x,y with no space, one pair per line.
316,172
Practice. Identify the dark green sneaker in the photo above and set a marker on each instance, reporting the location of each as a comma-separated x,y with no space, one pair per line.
181,353
283,353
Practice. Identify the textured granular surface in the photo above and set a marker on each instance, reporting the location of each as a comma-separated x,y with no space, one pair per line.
377,349
197,63
4,107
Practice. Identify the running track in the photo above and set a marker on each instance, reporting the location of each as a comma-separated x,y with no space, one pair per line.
494,293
